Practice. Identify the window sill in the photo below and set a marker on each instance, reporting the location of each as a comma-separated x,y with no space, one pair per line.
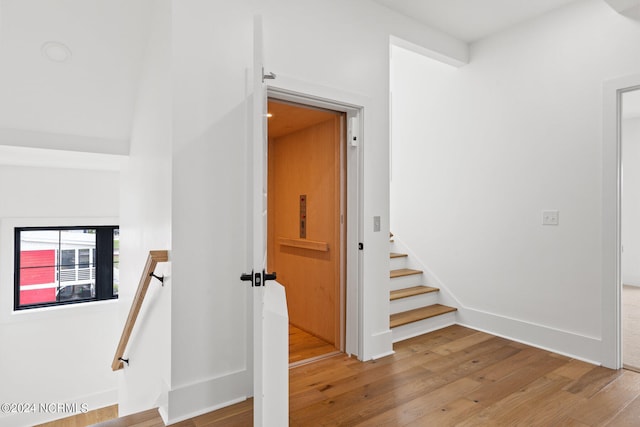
79,309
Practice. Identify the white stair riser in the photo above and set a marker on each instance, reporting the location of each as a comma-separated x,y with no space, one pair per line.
407,281
397,263
414,329
411,303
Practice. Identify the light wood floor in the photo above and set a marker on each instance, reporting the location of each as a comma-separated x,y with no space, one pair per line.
452,377
303,346
82,420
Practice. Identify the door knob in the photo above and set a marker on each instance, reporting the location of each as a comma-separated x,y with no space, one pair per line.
247,277
268,276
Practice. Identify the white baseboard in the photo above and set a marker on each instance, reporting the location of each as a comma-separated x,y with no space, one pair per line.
567,343
381,345
576,346
206,396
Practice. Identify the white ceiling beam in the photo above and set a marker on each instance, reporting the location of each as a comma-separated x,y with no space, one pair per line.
629,8
43,158
65,142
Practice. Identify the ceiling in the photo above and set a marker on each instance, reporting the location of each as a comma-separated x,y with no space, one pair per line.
472,20
286,118
88,99
87,103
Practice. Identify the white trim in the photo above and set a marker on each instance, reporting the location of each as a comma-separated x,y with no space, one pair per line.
287,89
60,159
381,343
536,345
380,356
429,53
558,341
200,397
611,219
63,142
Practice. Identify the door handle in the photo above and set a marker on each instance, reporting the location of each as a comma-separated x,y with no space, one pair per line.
257,279
268,276
247,277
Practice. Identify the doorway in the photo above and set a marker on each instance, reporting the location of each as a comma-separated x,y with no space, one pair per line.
630,229
306,230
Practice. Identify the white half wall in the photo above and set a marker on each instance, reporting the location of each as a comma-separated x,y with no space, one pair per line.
631,201
481,151
55,354
145,213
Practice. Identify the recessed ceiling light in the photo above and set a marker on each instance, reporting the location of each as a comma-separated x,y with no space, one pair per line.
56,51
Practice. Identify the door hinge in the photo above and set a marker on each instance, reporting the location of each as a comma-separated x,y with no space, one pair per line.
268,76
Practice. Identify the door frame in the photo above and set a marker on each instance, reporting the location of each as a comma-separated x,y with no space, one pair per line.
287,89
611,218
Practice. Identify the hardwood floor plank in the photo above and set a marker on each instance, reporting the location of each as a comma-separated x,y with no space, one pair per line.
452,377
150,418
593,381
511,409
609,401
516,362
338,386
494,392
548,410
629,416
419,407
80,420
446,415
445,365
377,394
462,343
240,414
574,369
304,346
468,359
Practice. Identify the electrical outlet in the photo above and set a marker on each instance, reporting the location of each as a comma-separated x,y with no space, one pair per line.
550,217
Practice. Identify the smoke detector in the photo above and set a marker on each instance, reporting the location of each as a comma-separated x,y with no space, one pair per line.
56,51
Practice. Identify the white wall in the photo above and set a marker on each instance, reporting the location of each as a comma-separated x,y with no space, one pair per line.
327,47
484,149
631,201
146,225
58,354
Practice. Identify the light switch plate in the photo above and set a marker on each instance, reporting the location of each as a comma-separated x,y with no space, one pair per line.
376,223
550,217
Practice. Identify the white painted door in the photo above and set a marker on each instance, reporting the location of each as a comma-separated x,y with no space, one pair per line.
270,319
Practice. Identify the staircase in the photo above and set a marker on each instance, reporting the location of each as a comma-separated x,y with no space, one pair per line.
414,306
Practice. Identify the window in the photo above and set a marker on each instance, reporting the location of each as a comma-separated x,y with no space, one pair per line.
64,265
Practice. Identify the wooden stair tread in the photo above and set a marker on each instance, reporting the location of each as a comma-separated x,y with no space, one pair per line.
397,255
403,272
412,291
422,313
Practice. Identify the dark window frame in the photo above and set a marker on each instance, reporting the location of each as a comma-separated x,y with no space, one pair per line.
104,262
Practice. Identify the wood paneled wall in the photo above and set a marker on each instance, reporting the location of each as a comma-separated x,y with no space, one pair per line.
307,162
